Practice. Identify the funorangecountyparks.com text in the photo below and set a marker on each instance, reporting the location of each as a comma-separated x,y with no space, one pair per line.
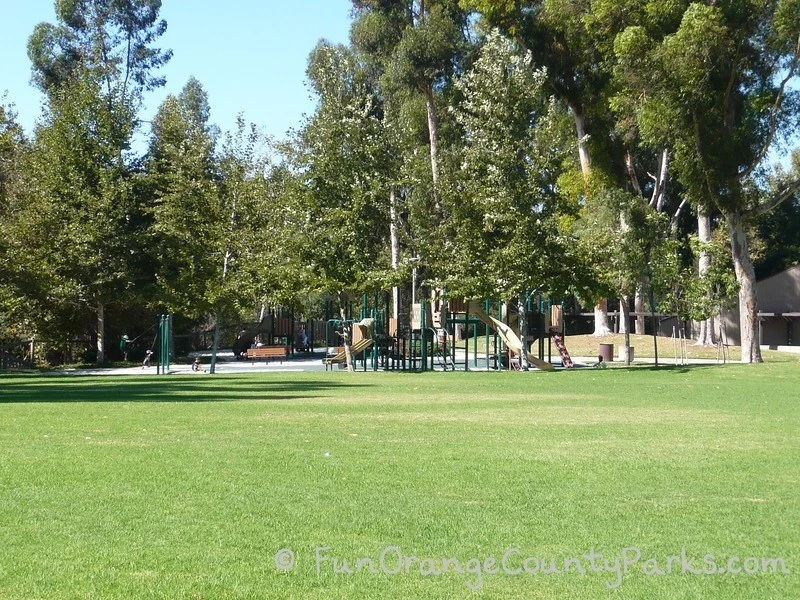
392,560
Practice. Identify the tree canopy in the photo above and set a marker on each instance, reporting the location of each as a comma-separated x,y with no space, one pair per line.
499,147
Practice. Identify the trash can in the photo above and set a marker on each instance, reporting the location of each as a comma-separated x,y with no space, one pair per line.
607,352
622,353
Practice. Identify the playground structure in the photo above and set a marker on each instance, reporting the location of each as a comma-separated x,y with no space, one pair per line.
440,334
444,335
360,346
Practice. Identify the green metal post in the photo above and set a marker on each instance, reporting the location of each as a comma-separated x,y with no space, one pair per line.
374,352
164,335
466,347
543,332
423,327
486,309
160,343
165,345
475,344
167,339
499,345
157,346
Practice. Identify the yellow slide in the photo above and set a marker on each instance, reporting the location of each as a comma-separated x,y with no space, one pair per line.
509,338
365,325
359,346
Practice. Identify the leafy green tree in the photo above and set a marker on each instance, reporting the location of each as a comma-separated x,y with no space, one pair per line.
560,37
12,144
183,182
13,147
81,206
628,241
571,41
414,48
93,65
216,235
699,294
716,91
419,44
504,237
341,212
248,237
113,39
778,231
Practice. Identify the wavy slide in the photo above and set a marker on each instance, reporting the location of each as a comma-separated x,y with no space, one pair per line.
510,338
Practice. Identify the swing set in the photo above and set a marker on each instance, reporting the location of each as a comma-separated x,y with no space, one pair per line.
160,346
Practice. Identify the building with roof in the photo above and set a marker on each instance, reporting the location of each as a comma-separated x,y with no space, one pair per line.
778,310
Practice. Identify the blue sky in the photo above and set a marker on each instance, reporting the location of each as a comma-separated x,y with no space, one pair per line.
250,55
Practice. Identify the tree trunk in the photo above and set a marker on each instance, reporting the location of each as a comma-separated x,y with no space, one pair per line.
225,261
215,345
433,136
632,177
651,294
749,326
101,333
601,327
583,145
523,333
659,197
395,242
346,335
625,315
706,335
639,307
626,329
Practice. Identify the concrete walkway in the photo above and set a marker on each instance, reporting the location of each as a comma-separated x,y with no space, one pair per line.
228,365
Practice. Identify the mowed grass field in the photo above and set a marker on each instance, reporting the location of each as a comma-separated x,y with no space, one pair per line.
188,487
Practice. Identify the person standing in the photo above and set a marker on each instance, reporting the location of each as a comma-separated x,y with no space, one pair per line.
303,338
123,347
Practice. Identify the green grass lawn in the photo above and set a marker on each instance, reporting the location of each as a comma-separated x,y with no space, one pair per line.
187,487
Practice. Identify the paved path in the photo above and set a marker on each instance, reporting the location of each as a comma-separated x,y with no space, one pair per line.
226,364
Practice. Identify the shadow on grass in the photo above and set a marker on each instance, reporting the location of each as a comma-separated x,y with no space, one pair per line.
38,389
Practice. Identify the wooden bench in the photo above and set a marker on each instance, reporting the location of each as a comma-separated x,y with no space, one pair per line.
266,353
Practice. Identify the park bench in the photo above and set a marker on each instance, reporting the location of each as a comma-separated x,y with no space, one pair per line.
266,353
